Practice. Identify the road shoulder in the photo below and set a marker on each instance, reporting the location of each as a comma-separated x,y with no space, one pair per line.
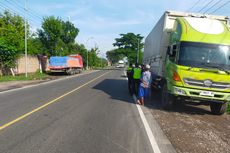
163,142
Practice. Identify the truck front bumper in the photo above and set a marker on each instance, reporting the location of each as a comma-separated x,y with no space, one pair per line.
200,94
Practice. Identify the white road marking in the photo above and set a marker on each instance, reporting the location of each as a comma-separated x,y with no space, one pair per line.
152,139
148,130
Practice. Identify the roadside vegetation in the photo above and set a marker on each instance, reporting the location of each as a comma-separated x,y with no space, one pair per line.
129,45
22,77
55,38
228,110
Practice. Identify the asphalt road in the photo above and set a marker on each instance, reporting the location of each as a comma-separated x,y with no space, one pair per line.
94,114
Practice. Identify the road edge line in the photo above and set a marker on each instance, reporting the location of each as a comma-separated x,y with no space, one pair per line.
148,130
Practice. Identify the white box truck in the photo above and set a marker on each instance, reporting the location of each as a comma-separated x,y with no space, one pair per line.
189,55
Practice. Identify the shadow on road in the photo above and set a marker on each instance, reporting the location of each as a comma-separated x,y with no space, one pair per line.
180,107
57,74
116,88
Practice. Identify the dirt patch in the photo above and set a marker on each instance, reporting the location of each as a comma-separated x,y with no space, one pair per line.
193,129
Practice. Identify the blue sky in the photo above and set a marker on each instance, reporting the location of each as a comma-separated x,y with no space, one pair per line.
101,21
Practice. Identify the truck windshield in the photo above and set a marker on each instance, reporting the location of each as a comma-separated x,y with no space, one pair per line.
204,55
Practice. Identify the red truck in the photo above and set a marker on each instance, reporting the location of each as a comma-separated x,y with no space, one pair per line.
71,64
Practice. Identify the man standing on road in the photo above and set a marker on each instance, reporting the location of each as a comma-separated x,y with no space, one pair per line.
130,78
136,78
145,84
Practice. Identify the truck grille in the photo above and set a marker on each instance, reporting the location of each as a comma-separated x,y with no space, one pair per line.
206,83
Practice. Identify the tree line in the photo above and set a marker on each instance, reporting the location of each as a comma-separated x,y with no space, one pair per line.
128,46
55,38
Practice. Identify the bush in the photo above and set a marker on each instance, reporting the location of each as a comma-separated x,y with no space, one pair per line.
21,77
228,109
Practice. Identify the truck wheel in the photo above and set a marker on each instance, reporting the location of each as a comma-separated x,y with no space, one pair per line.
218,108
166,98
70,72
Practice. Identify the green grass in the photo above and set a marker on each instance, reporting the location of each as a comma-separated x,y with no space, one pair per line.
21,77
228,109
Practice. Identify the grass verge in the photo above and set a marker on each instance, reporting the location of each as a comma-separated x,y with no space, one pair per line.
21,77
228,109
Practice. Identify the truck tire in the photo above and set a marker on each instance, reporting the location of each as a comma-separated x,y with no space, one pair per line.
218,108
166,98
70,72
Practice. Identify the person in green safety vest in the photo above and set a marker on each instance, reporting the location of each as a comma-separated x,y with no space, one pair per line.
130,78
136,78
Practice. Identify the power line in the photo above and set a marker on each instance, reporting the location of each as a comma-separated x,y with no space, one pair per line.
8,8
15,3
16,12
213,6
35,14
30,12
206,5
190,9
21,12
220,7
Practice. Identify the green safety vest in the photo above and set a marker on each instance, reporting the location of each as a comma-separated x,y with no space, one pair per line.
136,73
129,69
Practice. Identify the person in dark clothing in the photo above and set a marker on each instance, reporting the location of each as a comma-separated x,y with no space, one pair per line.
130,78
136,78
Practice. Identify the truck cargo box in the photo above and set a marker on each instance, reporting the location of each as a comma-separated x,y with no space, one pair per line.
157,41
69,64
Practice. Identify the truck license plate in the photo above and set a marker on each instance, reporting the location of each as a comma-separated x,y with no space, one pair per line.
207,93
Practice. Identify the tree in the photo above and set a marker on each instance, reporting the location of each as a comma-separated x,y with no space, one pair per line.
58,36
51,33
129,41
35,46
114,56
11,39
69,32
94,60
129,45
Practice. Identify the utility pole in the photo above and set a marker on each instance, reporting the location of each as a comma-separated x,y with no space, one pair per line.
26,58
138,43
87,64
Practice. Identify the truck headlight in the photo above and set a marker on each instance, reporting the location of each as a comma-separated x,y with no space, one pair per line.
179,91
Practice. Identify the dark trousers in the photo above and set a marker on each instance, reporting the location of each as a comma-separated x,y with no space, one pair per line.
130,86
136,83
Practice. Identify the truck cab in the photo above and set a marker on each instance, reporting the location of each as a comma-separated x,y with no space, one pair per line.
194,61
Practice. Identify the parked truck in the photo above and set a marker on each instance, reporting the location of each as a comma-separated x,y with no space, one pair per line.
189,56
71,64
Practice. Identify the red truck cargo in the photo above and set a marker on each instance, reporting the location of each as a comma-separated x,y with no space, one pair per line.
71,64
